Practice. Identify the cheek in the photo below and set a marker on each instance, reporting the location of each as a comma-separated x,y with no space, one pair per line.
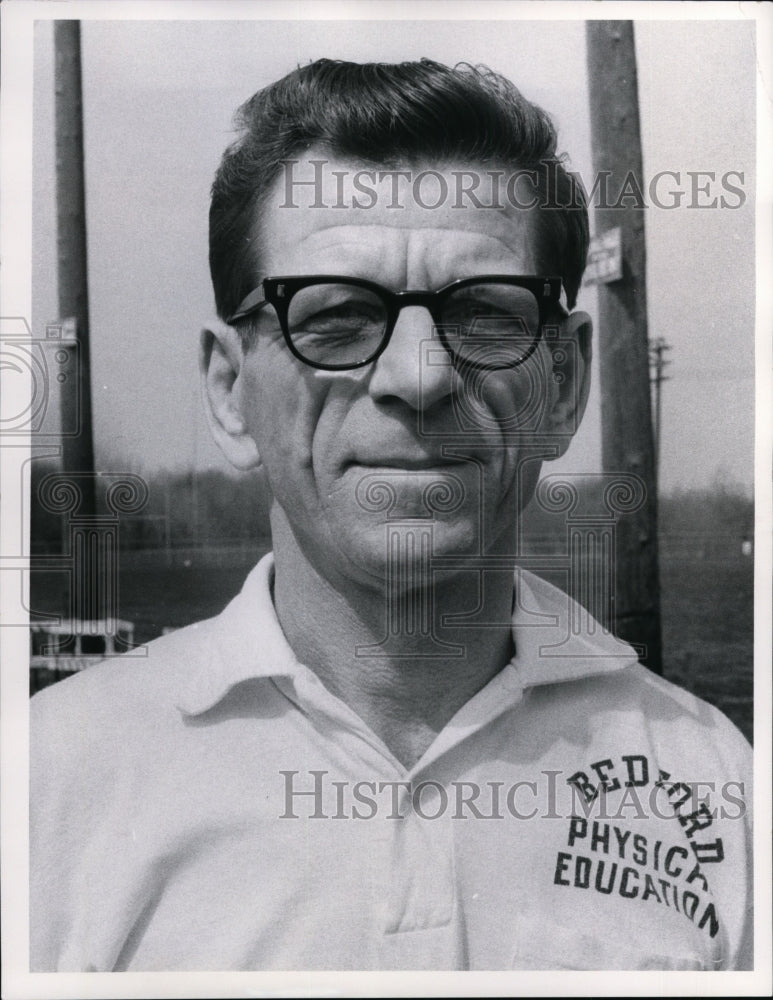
511,407
280,407
512,400
518,405
294,414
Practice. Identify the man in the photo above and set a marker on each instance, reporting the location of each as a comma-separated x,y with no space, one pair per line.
385,754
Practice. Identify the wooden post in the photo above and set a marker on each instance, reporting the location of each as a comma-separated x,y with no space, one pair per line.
77,449
627,444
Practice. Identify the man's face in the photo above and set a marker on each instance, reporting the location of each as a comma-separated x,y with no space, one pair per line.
408,436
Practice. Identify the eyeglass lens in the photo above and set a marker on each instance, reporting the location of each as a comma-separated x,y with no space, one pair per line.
342,324
336,324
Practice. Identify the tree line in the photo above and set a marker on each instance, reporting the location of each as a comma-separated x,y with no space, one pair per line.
211,507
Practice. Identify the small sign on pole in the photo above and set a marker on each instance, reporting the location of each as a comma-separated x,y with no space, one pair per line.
605,258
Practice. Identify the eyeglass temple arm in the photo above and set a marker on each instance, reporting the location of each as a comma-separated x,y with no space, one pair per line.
252,303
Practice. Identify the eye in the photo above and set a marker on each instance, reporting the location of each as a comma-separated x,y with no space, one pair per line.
464,308
492,309
347,316
329,309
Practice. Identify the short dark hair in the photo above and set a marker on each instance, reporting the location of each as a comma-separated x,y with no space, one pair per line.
391,115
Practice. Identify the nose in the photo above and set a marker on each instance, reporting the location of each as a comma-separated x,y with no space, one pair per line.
414,368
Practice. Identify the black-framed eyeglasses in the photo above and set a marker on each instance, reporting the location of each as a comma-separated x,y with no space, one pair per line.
338,323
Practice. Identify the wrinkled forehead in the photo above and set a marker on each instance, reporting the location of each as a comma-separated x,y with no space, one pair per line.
318,199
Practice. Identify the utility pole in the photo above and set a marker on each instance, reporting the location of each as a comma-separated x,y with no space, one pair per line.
77,448
627,441
658,362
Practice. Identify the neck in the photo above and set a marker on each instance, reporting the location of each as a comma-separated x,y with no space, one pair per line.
388,654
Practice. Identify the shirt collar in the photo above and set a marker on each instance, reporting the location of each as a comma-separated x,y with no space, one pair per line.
555,640
244,641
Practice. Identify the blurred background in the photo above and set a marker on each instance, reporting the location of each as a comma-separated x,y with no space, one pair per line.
158,100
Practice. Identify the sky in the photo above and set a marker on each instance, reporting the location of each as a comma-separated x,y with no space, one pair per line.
158,104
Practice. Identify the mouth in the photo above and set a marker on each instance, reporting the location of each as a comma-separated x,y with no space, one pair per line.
406,463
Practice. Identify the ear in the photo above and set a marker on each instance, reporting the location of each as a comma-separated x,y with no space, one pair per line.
221,359
572,355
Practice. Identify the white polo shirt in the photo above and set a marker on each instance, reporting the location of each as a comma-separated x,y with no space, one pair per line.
213,806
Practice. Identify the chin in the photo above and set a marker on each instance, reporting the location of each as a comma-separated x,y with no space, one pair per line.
401,552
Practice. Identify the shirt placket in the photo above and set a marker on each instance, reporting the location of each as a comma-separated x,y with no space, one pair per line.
420,924
417,921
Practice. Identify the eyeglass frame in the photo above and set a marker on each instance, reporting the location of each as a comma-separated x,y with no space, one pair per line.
279,291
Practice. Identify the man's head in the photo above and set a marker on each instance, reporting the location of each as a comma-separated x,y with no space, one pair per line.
412,429
390,115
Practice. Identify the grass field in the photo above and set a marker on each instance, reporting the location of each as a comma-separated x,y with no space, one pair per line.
707,615
706,607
